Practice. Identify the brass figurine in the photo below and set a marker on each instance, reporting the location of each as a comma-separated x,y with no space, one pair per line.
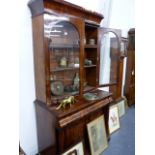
68,101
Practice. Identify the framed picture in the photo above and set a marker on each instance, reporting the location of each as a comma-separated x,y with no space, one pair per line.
114,123
121,107
75,150
97,135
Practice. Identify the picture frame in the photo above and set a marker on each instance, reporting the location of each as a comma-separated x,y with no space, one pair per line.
121,107
77,149
114,122
97,135
74,152
123,46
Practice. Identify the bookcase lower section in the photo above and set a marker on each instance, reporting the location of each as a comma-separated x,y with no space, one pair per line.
55,137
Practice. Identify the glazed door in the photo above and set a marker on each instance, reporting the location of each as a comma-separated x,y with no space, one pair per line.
64,54
109,43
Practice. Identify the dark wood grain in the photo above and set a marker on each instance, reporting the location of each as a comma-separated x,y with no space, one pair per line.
115,68
70,128
39,58
129,90
39,7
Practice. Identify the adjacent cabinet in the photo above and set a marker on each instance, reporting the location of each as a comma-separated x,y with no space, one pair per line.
129,89
66,42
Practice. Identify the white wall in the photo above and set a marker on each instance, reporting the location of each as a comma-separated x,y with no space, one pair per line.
9,78
27,134
89,4
100,6
122,15
119,14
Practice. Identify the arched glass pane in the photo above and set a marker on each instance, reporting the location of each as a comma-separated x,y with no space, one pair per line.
109,58
64,57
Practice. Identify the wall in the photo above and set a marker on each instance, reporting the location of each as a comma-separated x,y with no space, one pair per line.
89,4
9,78
117,14
122,15
101,6
27,134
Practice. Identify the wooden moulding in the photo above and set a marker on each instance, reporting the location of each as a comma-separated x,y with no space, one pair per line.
41,6
79,110
39,58
132,31
80,104
82,113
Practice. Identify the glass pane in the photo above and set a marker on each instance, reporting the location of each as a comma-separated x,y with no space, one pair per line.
90,58
64,58
109,58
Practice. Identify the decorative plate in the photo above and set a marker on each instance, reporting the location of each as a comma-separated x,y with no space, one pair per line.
57,87
91,96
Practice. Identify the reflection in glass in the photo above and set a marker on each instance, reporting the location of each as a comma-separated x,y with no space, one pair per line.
63,45
109,57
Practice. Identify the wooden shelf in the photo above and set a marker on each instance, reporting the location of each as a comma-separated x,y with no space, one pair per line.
65,94
80,104
63,69
89,66
88,88
75,93
64,46
90,46
70,68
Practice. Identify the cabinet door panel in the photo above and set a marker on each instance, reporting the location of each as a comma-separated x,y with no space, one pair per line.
62,36
109,40
110,76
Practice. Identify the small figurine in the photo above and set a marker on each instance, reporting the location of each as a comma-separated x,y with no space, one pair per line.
71,62
92,41
63,62
88,62
76,62
68,101
76,80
